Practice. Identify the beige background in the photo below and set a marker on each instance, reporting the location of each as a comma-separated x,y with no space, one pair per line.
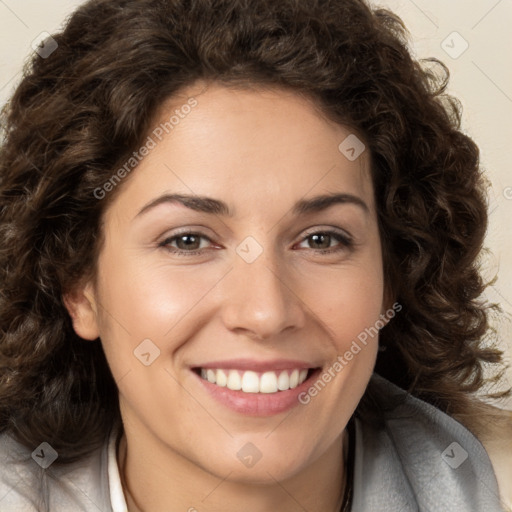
481,77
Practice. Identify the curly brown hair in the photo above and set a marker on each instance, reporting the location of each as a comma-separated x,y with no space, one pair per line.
80,113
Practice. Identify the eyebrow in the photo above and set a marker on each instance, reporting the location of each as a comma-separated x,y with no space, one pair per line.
213,206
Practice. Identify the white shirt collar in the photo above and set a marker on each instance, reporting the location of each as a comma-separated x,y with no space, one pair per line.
117,499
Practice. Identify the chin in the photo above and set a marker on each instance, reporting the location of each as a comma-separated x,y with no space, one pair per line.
252,467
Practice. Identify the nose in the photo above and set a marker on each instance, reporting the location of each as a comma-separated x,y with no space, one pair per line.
260,300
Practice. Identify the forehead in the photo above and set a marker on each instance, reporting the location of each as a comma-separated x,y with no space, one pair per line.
269,144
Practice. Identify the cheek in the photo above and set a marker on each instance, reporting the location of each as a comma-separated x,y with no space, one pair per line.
153,301
348,302
358,308
349,313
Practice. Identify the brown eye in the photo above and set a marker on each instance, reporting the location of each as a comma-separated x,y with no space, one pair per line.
322,240
186,243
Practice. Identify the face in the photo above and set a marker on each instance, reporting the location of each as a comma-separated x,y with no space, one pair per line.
249,280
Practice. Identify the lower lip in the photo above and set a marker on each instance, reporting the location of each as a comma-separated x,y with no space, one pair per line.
257,404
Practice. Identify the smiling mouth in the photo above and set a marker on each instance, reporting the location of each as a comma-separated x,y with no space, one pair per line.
255,382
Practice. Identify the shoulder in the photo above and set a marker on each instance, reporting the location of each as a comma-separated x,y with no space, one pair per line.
31,481
412,456
497,439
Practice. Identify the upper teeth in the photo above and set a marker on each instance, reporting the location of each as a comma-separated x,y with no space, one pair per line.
252,382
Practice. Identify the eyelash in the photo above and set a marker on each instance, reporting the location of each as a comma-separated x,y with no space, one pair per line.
345,242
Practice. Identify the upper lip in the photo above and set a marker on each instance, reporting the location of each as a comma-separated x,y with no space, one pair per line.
257,366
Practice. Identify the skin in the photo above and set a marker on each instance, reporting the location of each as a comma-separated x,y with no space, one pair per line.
259,151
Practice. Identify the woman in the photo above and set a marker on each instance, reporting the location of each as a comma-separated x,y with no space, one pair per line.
172,336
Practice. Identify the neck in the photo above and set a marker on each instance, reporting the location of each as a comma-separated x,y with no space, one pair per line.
183,486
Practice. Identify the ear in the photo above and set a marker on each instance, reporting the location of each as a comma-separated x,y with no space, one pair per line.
82,308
